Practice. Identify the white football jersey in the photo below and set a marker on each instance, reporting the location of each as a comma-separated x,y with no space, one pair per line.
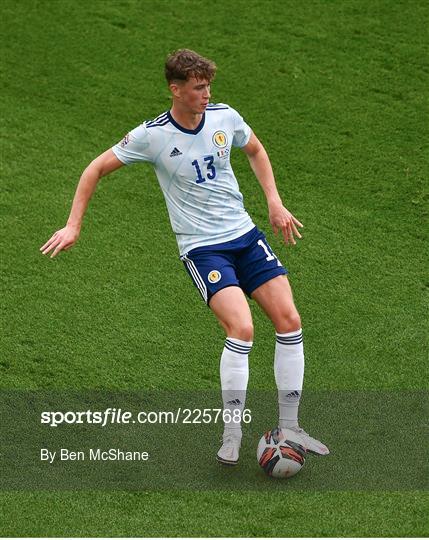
195,174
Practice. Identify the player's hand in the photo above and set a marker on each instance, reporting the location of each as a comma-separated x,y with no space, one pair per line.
281,218
61,240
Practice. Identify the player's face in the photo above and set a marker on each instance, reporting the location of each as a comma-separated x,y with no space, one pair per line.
193,95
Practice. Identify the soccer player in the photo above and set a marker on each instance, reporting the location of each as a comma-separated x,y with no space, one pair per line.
225,254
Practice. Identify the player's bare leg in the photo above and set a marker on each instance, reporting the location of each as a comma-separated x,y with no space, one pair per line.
232,311
276,299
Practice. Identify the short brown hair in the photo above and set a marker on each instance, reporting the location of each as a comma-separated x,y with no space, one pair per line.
183,64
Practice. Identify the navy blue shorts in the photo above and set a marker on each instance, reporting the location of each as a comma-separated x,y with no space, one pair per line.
246,262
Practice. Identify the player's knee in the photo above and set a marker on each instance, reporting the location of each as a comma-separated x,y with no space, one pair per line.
288,322
243,331
246,332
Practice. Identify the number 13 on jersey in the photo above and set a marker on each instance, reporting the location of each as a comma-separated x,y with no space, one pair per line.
211,171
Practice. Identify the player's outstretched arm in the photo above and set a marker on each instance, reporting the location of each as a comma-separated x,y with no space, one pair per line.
66,237
280,217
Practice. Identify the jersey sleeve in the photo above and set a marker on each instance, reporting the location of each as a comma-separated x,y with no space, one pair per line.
242,131
134,147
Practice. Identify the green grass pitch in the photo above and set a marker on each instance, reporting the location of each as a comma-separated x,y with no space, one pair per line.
337,92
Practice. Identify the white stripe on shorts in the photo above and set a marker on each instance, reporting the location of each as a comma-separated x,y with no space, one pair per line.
199,282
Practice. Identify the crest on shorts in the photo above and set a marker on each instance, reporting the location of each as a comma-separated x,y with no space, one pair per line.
220,139
214,276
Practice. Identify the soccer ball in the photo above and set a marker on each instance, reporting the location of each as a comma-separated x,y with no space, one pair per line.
281,453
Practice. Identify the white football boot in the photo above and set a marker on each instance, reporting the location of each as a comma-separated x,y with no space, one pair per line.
230,450
312,445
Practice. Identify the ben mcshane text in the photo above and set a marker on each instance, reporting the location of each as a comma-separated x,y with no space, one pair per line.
92,454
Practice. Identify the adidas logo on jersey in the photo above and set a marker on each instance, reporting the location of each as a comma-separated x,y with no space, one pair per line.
175,152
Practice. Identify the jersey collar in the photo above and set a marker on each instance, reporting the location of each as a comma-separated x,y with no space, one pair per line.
185,130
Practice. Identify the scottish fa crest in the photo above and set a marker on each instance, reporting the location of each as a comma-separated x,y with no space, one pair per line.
214,276
219,139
